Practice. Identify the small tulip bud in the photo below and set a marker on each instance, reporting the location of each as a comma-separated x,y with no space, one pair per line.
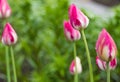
77,18
9,36
78,65
102,64
5,9
105,46
70,33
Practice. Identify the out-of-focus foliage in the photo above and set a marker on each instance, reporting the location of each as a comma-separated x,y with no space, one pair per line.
42,53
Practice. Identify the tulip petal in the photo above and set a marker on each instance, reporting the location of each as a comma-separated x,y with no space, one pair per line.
113,64
101,64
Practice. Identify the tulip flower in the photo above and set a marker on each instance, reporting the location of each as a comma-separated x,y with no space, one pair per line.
78,65
5,9
102,64
70,33
77,18
9,36
105,46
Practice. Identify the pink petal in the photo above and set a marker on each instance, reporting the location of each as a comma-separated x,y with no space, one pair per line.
101,64
113,64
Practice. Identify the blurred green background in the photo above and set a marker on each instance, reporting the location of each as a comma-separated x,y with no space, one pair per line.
42,53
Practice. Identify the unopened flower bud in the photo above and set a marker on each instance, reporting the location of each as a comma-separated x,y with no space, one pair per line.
71,33
5,9
74,64
9,36
77,18
105,46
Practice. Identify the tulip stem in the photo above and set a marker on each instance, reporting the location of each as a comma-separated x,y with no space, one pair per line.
76,74
13,64
88,56
1,23
108,72
8,65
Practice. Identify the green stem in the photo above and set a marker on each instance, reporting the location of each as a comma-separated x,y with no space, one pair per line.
8,65
88,56
1,25
108,72
13,64
76,74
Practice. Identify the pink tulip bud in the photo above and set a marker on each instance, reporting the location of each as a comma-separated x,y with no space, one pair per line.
105,46
78,65
77,18
5,9
102,64
70,33
9,36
